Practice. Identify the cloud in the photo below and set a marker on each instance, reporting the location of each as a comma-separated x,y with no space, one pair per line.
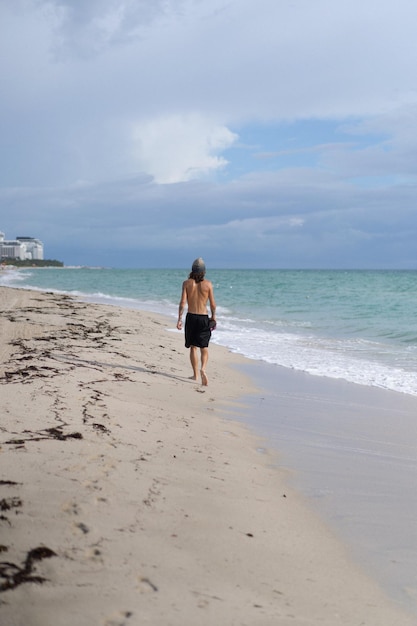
272,133
262,220
390,152
87,28
180,148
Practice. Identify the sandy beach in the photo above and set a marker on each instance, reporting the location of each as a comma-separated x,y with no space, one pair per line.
129,495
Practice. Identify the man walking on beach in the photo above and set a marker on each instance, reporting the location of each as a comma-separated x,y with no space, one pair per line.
196,292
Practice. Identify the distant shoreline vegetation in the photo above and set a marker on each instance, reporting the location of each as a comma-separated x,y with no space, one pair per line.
32,262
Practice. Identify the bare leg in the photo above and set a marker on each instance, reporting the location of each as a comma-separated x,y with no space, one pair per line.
204,359
194,362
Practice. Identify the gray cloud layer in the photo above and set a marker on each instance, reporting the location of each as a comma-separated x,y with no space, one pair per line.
117,116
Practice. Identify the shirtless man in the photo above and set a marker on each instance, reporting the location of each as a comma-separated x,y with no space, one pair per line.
196,292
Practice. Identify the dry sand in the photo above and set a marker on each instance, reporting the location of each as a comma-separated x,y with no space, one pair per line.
129,497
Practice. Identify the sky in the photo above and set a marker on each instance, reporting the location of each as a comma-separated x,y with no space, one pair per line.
253,133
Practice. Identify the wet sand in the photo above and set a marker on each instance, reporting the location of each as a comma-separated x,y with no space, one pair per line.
130,496
352,450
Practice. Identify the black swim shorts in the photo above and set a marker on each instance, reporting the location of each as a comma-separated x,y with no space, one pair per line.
197,330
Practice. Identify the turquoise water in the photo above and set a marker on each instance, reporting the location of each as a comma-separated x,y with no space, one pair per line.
354,325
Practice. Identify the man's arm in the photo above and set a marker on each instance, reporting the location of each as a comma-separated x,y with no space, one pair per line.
181,306
212,303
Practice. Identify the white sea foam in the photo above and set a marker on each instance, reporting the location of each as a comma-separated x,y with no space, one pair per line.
337,359
10,276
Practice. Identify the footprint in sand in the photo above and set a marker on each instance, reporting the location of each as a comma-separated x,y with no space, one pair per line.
70,507
118,619
82,527
145,585
94,554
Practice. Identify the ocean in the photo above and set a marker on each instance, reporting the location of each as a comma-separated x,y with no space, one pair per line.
359,326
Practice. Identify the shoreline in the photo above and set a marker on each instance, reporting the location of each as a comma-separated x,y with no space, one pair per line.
138,497
358,352
352,453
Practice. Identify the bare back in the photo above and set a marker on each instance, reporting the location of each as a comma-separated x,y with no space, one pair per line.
197,295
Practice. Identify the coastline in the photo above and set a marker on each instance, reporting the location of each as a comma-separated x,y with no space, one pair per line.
353,453
138,497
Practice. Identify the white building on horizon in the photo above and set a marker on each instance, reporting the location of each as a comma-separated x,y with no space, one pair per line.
21,248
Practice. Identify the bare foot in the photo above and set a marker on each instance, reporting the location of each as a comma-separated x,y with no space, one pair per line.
204,379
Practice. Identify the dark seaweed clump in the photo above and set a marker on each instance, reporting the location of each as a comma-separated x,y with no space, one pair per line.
12,575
